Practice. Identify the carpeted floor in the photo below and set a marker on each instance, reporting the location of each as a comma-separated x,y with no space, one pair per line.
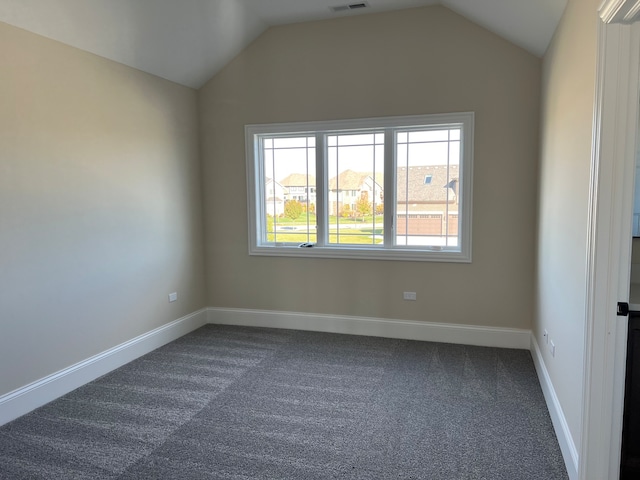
246,403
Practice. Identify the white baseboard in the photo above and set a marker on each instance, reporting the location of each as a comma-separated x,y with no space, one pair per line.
567,445
23,400
374,327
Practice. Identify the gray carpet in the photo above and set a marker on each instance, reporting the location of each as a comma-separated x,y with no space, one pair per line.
247,403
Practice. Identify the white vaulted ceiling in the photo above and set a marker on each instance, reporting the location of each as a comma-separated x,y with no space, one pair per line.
188,41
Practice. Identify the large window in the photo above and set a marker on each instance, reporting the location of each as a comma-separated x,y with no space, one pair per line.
388,188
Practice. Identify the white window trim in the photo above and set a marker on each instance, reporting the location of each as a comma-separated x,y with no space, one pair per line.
255,190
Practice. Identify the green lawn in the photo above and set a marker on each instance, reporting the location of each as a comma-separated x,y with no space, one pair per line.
347,236
354,235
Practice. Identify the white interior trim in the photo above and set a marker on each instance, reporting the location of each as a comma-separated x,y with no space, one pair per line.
609,248
620,11
389,250
23,400
374,327
560,425
36,394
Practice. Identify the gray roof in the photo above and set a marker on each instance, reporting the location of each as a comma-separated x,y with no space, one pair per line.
350,180
441,187
428,184
298,180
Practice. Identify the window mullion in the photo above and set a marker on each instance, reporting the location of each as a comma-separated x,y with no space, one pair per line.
389,187
413,151
257,192
322,218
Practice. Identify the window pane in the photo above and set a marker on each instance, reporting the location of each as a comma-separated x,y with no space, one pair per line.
421,154
427,193
362,139
428,199
429,136
295,142
355,196
454,152
290,185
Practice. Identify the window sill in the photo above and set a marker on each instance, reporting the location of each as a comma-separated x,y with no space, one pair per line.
359,253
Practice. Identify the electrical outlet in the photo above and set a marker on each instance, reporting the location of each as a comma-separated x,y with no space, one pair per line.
409,295
545,335
173,297
552,348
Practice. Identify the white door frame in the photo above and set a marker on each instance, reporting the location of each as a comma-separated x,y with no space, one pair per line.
609,244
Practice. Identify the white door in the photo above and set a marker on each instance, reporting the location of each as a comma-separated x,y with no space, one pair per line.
608,263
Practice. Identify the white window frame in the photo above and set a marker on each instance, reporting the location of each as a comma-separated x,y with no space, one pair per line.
387,251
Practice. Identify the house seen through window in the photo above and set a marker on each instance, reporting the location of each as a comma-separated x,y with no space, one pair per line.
389,188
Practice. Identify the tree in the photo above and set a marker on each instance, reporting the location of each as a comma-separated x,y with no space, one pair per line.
345,211
380,209
293,209
270,229
363,205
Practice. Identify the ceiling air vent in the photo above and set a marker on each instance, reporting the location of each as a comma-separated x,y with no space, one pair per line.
352,6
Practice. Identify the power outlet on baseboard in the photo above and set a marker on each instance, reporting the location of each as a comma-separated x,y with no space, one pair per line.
409,295
173,297
552,348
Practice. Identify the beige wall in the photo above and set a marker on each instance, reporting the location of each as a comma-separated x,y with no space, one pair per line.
568,94
419,61
100,205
